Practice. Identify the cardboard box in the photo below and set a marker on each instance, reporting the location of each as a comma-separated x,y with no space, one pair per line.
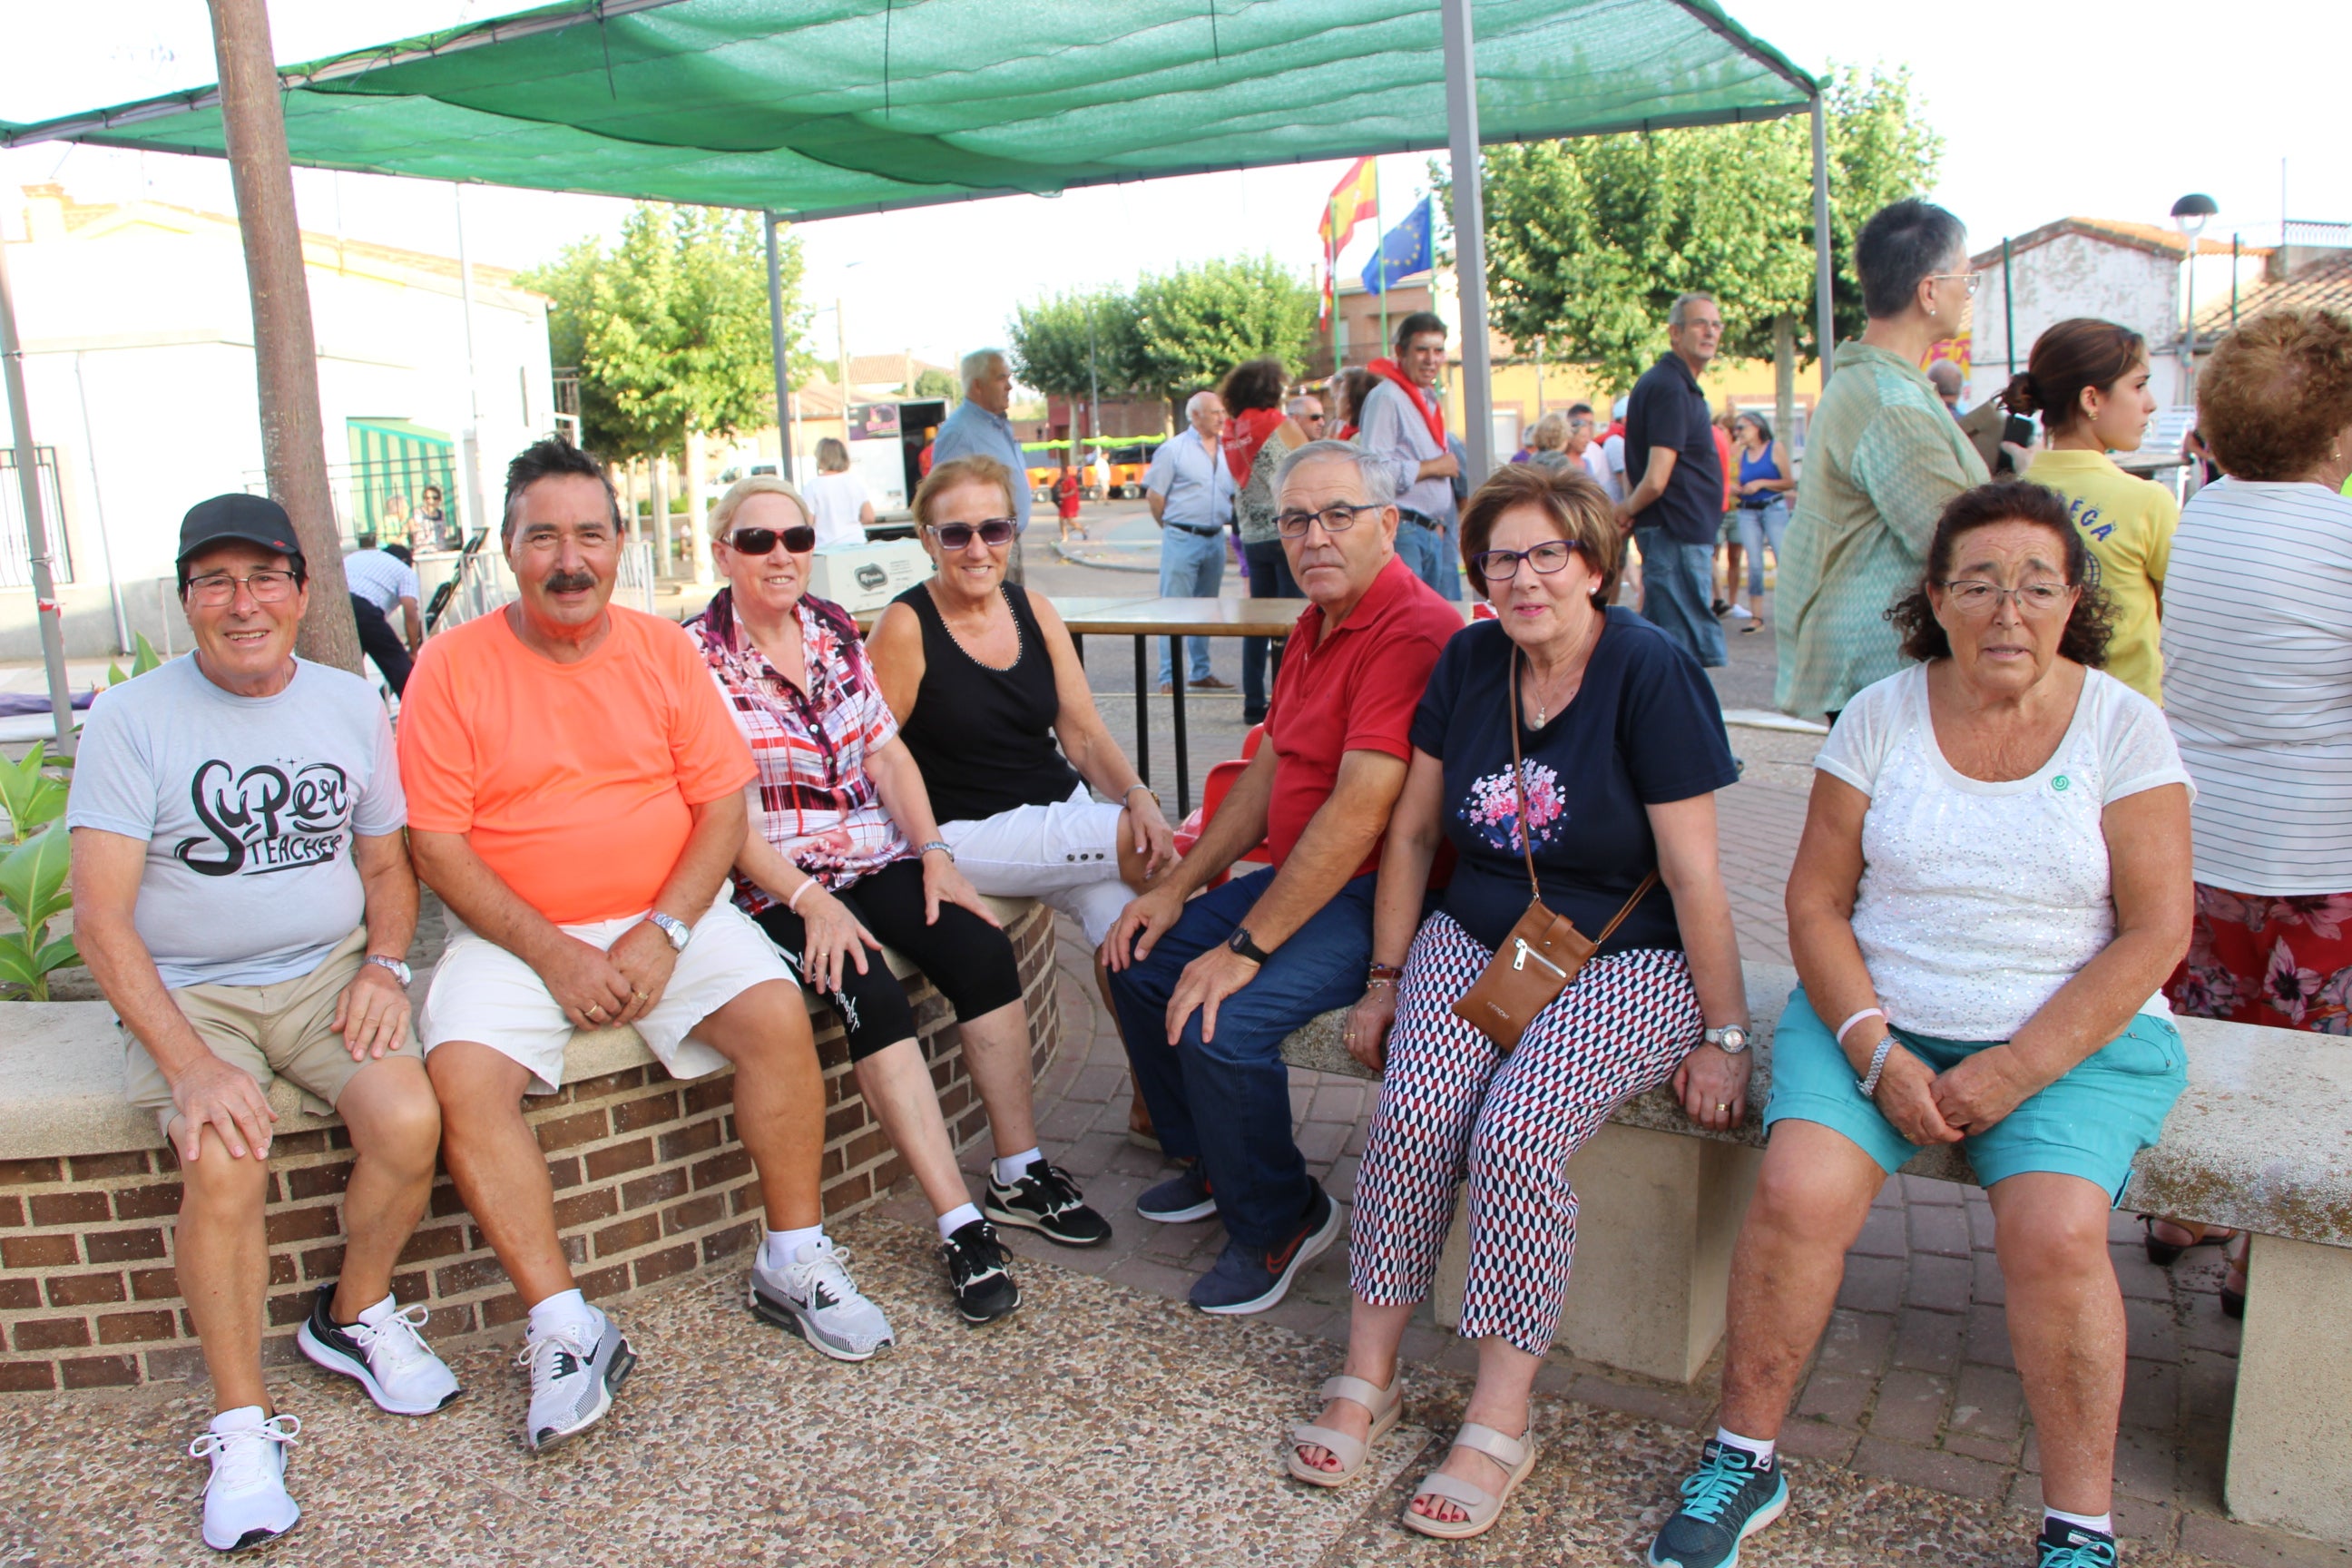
867,576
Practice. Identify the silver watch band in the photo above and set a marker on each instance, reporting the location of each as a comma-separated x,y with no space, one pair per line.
1869,1086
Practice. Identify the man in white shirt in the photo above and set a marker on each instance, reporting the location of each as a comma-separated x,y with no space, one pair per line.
378,581
1401,421
1190,492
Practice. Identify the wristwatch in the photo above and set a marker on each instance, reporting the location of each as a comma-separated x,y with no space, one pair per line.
399,970
1731,1039
940,845
677,929
1241,942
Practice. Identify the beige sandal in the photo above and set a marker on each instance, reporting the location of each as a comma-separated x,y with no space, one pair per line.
1516,1455
1386,1405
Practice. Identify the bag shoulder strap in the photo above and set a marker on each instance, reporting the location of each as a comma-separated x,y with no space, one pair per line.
1527,840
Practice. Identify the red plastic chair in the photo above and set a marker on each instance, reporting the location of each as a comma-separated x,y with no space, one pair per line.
1213,790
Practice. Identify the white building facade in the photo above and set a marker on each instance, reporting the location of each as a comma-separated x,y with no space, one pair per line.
138,336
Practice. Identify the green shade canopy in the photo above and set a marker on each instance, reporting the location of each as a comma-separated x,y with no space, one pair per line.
817,107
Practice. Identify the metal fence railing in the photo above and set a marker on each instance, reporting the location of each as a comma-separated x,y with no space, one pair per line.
15,538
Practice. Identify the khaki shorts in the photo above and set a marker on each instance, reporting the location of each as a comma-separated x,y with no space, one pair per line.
270,1031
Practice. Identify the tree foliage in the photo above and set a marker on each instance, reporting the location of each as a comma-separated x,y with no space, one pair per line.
936,382
1590,240
670,327
1175,331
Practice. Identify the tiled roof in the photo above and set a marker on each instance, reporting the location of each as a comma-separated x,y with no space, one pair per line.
2324,282
2148,236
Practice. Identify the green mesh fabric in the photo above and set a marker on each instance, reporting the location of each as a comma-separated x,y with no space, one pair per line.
813,107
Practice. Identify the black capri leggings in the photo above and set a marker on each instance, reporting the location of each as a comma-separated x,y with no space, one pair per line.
969,961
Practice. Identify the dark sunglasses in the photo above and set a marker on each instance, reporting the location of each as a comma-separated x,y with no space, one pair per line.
994,532
800,540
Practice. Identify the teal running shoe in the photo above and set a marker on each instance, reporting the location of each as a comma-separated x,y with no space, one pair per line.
1729,1498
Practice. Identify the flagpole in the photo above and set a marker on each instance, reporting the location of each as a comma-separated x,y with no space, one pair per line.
1380,226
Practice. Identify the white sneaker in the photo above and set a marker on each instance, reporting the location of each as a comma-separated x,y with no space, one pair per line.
1739,613
574,1371
382,1352
815,1298
245,1503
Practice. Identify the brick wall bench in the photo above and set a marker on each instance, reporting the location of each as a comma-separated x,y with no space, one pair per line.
650,1183
2261,1140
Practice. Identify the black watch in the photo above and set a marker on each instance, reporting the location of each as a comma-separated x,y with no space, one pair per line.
1240,942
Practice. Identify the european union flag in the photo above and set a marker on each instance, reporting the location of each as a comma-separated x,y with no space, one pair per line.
1404,250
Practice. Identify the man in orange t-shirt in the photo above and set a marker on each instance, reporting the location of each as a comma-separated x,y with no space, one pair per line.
576,798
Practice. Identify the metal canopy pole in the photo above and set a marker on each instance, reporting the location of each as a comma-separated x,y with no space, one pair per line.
776,344
46,612
1469,238
1826,316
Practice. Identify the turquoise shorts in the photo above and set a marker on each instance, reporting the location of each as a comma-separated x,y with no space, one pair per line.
2090,1123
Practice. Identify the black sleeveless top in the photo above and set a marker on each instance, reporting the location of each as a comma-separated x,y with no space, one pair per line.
984,738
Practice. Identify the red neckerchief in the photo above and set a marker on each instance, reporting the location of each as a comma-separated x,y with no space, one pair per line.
1245,433
1430,415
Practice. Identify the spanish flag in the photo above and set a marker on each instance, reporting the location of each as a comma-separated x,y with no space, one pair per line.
1355,198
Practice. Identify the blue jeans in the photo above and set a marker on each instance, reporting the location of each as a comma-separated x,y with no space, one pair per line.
1449,577
1678,593
1226,1101
1269,578
1758,525
1192,566
1423,550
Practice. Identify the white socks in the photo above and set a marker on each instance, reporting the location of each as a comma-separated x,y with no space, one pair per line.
782,1247
565,1308
2105,1523
956,1218
1012,1168
1761,1448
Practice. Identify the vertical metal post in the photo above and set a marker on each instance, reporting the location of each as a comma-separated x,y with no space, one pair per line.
777,347
1380,252
1142,708
1469,237
470,443
46,612
97,504
2008,309
1823,304
2233,281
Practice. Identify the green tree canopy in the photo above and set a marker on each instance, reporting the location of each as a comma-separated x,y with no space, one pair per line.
1590,240
670,327
1068,345
936,382
1194,324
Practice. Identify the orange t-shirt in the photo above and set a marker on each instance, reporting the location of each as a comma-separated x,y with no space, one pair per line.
572,782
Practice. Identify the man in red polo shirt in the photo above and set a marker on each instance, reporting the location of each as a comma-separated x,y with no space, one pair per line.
1206,990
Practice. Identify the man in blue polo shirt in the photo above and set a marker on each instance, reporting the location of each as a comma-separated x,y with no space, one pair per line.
1674,502
1190,491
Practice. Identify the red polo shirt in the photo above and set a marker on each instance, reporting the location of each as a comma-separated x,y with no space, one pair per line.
1354,690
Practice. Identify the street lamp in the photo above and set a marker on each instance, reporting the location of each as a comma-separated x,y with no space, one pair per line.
2190,214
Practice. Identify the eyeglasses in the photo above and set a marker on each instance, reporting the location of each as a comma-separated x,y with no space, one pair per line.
217,588
799,539
1973,598
1971,278
995,531
1502,565
1337,518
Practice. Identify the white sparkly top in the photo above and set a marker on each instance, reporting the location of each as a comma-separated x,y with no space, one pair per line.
1979,900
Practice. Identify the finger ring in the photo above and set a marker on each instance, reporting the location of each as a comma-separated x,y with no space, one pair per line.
640,996
1720,1105
592,1009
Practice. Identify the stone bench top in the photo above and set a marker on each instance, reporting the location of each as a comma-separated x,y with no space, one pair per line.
2261,1139
61,1072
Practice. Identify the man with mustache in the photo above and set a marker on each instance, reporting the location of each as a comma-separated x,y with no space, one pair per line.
243,896
576,798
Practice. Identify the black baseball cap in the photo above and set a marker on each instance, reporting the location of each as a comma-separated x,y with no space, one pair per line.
256,520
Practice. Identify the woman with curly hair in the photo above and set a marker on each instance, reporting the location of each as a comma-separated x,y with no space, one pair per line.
1993,882
2258,683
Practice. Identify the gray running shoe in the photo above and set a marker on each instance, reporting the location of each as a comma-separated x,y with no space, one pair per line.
574,1373
815,1298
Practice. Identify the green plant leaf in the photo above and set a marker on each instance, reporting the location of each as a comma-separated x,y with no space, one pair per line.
17,961
29,793
144,655
33,878
114,675
59,953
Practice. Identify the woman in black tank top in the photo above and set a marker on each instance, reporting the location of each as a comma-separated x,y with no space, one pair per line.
984,679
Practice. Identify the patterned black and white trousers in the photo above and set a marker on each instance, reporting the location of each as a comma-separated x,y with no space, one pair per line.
1452,1108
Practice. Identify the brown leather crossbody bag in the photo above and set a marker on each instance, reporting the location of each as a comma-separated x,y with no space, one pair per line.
1544,952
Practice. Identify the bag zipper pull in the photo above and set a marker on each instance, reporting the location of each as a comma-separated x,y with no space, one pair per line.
1527,952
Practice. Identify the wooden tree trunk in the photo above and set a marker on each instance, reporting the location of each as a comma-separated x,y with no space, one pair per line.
284,353
1784,380
663,565
697,511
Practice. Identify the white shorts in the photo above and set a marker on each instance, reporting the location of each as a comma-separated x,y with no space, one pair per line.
1065,855
485,993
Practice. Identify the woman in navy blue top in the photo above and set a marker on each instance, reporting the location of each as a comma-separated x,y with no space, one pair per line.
1623,748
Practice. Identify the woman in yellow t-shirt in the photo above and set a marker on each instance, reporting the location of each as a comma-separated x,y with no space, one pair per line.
2088,380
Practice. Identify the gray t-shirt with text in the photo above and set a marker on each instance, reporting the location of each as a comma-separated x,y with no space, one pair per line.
247,805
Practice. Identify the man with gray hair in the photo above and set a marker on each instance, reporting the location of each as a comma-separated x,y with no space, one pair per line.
979,427
1191,489
1674,476
1206,990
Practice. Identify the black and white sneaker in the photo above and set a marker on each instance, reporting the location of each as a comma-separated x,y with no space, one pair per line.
814,1297
1047,1201
245,1503
383,1352
574,1373
984,1286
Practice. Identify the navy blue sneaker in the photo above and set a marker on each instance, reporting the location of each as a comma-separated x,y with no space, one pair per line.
1181,1197
1725,1501
1246,1280
2064,1545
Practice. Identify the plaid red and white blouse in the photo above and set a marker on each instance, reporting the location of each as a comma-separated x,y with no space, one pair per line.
817,803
